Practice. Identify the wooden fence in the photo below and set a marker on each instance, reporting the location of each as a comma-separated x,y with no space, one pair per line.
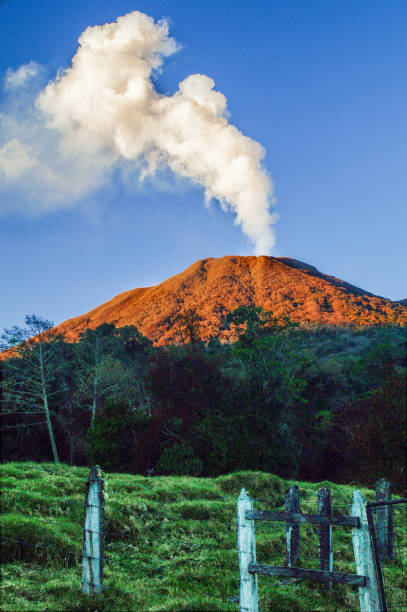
366,578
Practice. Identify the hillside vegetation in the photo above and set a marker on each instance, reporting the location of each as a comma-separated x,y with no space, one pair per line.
170,543
311,403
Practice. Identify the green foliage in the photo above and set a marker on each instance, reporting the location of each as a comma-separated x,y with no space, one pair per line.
120,342
252,322
187,325
112,436
376,364
179,459
299,401
371,432
267,397
343,367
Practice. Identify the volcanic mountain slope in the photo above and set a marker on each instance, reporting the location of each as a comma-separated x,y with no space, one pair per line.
213,287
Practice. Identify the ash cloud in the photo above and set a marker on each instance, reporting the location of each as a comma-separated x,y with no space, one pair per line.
104,111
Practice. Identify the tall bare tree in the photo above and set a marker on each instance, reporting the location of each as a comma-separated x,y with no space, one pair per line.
102,371
31,371
90,358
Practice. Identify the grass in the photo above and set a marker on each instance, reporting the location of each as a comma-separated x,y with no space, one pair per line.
170,543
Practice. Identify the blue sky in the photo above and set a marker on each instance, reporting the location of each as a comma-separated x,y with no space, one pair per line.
320,85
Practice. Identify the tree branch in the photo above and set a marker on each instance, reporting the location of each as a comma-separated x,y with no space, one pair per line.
27,425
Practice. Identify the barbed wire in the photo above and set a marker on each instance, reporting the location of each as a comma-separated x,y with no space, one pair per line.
76,556
260,525
36,545
277,506
78,553
129,536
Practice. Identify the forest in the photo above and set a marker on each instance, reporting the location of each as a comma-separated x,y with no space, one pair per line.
305,401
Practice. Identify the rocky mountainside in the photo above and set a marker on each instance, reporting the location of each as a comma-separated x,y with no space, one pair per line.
213,287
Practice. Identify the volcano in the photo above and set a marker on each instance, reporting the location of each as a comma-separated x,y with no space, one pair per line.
215,286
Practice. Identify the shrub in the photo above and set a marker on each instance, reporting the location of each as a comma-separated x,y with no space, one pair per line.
179,459
112,437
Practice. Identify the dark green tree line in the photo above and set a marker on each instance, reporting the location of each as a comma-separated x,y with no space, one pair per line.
300,401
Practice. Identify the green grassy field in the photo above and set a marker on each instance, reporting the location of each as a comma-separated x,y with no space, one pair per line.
170,543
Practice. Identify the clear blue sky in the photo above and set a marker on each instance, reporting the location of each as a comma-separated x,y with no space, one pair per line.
321,85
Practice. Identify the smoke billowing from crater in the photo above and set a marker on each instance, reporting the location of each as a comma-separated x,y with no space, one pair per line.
104,109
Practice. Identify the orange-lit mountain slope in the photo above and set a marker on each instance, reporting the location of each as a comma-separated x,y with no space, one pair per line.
216,286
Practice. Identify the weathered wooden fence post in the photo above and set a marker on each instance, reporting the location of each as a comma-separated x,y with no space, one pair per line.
246,542
325,531
93,532
292,530
384,518
369,594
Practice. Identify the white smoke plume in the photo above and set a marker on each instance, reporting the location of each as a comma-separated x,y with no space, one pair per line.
105,108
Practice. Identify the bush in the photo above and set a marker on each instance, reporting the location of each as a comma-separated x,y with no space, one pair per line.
112,437
180,460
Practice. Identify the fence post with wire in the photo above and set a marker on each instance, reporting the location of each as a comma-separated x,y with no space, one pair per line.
388,566
246,544
370,598
292,529
366,577
93,533
325,531
384,520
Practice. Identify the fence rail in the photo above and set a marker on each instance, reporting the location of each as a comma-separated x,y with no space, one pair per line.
306,574
297,517
366,552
